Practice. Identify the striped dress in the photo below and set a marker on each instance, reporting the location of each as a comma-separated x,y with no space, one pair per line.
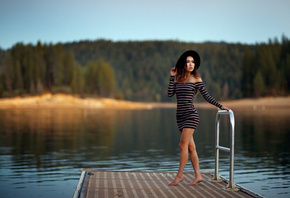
186,114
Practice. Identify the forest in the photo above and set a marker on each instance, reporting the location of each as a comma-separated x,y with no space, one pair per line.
140,70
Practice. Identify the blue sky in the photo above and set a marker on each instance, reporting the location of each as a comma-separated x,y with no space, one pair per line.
52,21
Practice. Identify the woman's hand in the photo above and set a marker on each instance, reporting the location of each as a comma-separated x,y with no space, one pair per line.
173,71
225,108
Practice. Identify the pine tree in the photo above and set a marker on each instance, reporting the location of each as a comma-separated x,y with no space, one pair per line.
247,73
18,80
78,81
40,72
259,85
106,79
91,72
9,73
68,68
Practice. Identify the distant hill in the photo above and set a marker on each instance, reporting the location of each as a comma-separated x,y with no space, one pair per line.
140,70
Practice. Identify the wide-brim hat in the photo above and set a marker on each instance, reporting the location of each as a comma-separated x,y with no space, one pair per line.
182,59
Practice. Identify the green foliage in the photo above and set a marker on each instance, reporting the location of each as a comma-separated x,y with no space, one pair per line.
259,85
68,68
140,70
266,69
78,80
48,68
100,79
105,78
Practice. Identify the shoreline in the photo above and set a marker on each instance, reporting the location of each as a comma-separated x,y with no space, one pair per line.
69,101
265,103
247,104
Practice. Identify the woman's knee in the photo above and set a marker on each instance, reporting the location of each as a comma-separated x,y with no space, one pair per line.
183,146
191,148
186,135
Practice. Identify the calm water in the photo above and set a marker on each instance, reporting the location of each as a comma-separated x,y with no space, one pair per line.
42,151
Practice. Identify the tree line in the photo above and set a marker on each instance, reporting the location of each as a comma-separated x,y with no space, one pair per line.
266,70
140,70
28,69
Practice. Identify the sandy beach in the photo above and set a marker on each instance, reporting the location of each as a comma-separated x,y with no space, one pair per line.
266,103
68,101
245,104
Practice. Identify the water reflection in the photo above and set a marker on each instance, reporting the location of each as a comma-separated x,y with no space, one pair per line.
43,150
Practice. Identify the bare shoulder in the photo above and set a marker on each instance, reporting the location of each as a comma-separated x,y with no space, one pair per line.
198,79
195,79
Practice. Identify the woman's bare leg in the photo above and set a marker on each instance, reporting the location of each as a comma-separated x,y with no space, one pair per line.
185,138
195,162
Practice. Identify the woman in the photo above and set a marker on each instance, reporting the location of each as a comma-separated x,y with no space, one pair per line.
185,82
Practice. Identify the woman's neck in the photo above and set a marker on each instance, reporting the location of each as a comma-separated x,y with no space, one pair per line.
184,78
187,74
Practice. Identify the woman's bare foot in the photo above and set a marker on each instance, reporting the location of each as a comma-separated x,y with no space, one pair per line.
196,180
176,181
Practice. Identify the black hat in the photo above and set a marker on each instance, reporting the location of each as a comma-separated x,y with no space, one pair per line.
182,59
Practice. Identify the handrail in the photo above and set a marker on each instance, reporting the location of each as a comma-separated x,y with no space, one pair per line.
231,185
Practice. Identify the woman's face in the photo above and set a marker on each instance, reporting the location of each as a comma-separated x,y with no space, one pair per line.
189,66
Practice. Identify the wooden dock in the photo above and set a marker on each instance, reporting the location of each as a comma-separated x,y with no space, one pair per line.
105,184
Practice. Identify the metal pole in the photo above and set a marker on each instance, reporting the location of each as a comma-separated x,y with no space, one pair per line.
231,185
216,177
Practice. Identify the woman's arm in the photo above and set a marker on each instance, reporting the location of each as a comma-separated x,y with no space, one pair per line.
171,86
206,95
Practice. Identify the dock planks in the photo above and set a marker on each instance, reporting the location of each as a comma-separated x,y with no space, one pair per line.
106,184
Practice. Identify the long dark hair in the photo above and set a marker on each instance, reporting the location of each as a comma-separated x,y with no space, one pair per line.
180,76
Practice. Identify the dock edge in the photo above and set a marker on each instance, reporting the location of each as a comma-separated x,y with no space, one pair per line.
243,189
80,191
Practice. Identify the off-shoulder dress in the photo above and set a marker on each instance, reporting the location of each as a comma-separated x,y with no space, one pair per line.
186,114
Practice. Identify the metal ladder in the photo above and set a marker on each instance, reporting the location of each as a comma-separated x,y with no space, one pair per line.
231,185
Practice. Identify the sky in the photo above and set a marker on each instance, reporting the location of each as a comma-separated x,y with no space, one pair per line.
232,21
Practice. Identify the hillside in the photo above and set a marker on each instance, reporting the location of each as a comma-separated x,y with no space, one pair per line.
142,68
139,70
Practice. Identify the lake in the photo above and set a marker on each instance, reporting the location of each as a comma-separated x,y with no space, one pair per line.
43,150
